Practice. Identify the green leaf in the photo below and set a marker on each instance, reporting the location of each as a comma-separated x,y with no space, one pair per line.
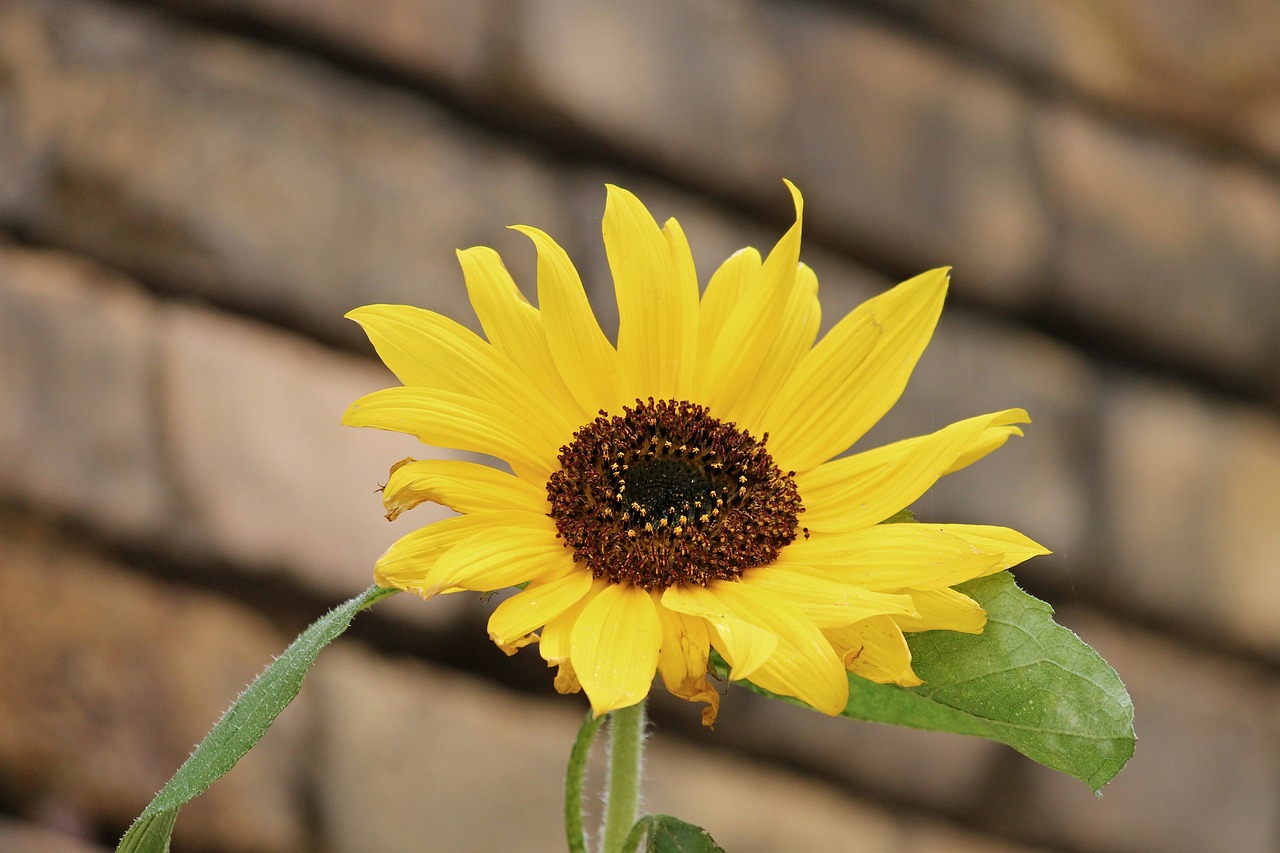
1025,681
150,833
902,516
241,726
672,835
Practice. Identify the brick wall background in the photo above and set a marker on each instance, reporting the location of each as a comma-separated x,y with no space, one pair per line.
192,192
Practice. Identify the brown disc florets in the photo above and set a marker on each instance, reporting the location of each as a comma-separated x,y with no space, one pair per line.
665,494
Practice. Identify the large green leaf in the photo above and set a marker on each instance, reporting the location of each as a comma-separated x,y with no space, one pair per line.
667,834
1025,681
241,726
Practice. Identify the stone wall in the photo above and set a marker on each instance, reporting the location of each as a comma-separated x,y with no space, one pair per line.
192,192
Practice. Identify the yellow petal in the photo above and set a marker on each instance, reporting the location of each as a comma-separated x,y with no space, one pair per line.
876,650
682,660
461,486
803,665
826,602
943,610
1011,546
554,645
500,558
614,647
735,277
746,647
866,488
657,309
687,290
528,610
583,355
448,419
800,319
764,338
892,557
423,348
566,679
514,327
843,386
992,439
407,562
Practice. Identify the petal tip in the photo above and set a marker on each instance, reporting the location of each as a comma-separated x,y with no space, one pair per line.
796,197
349,417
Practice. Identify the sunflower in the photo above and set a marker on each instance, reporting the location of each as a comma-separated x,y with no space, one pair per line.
684,489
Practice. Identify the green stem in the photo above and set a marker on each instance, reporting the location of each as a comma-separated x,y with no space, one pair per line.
575,779
638,833
626,751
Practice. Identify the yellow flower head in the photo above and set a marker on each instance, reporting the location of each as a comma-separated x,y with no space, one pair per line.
679,491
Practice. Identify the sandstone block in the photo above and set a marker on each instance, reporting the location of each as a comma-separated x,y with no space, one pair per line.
268,477
1206,768
412,752
186,429
904,155
939,771
694,75
456,43
78,428
915,160
17,837
261,180
1169,255
109,681
1190,494
1209,66
923,836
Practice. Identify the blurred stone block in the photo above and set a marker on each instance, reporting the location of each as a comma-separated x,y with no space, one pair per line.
271,183
261,180
1207,65
1206,769
1163,252
914,159
79,433
901,152
1192,494
460,43
109,679
412,753
190,430
184,429
941,771
16,837
269,477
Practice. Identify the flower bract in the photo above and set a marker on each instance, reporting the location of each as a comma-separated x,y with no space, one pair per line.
685,488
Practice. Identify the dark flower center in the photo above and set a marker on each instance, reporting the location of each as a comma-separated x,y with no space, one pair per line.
665,494
667,489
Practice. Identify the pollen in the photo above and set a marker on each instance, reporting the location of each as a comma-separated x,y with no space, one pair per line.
665,494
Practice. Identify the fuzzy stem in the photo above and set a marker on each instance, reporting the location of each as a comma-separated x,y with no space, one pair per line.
626,752
574,781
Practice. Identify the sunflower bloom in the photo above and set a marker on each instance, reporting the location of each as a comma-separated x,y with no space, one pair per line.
684,489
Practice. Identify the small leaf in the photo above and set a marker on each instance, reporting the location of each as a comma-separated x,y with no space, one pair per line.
150,833
1025,681
672,835
902,516
241,726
